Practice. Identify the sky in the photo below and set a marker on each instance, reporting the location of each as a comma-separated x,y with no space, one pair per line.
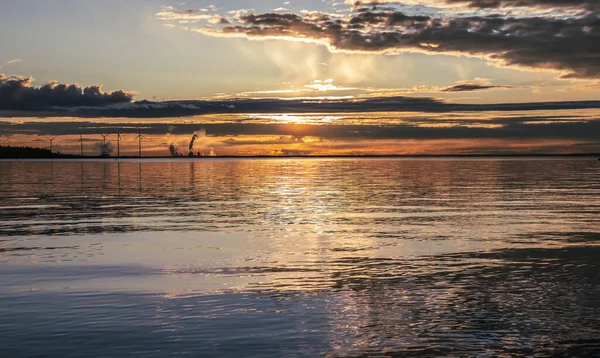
310,77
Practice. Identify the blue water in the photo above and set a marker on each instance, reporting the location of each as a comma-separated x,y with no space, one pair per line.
300,258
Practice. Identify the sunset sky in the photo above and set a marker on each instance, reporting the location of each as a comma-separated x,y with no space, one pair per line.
302,77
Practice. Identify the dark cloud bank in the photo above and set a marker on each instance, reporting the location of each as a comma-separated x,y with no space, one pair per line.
146,109
19,99
510,128
468,87
169,109
17,93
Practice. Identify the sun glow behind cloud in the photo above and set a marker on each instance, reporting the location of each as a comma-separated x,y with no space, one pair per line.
305,57
557,131
287,118
453,27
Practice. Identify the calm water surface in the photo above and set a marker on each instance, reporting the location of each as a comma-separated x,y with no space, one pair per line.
323,257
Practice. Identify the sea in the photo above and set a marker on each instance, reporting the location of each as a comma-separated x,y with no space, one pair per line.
284,257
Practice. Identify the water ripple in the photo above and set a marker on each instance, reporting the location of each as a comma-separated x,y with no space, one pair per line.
271,258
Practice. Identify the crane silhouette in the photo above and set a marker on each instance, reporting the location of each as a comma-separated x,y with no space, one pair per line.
139,138
51,140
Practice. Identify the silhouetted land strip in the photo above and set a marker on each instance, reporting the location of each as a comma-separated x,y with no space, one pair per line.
9,152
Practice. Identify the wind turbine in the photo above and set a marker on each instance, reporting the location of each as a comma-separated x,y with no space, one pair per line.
80,141
104,137
119,144
51,140
139,138
104,147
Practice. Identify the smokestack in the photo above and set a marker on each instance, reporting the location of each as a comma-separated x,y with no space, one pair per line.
201,133
194,137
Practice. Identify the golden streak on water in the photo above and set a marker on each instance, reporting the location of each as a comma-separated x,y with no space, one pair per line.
313,257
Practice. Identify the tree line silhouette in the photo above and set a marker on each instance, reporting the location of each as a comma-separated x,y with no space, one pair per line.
30,152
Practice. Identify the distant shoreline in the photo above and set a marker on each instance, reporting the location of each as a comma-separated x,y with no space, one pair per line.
20,153
407,156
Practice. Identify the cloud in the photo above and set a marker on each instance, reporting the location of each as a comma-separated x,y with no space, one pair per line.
503,129
566,44
469,86
120,106
16,60
145,109
17,93
190,16
588,5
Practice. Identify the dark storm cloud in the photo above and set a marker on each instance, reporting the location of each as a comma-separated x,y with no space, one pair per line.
569,44
470,87
17,93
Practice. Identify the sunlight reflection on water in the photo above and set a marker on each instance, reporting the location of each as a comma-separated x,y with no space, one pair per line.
303,257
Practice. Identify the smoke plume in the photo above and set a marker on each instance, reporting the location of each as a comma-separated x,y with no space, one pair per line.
104,149
174,150
201,133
